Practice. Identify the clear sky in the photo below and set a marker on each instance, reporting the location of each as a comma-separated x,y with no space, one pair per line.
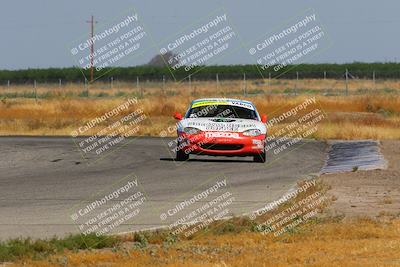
37,33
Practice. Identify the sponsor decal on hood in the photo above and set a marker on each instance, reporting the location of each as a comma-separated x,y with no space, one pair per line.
231,125
219,102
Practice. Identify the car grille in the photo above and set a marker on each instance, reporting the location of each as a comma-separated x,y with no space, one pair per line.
221,147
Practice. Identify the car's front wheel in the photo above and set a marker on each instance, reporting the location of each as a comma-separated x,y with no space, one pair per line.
259,157
181,155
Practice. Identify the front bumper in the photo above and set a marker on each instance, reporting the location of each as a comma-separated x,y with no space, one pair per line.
222,144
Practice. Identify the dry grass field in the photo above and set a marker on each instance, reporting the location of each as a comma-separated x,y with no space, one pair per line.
370,111
366,116
359,243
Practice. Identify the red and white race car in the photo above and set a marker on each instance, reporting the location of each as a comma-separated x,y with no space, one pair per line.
221,127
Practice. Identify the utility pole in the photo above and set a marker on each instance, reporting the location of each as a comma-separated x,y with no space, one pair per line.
86,88
92,22
373,78
163,84
217,80
347,81
269,83
34,86
244,85
140,89
190,84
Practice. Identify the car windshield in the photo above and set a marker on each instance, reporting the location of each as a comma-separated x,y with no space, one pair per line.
222,111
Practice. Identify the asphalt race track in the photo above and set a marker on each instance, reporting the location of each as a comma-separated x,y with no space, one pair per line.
43,180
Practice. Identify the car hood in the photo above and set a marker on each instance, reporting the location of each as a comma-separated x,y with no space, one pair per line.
222,124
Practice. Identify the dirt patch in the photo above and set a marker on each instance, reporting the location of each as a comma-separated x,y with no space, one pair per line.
368,193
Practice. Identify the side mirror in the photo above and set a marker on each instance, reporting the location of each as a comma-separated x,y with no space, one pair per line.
264,118
178,116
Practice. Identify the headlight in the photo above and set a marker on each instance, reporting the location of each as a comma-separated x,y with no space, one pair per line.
252,132
191,130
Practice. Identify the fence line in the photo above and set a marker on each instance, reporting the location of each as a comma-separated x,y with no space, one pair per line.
218,76
249,86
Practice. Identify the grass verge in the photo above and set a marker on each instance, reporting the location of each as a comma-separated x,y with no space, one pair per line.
17,249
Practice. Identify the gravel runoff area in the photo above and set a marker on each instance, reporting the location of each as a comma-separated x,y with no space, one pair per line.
372,193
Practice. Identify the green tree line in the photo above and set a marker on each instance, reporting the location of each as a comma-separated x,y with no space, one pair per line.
335,71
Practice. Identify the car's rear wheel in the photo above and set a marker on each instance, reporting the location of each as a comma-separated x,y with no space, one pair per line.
259,157
181,155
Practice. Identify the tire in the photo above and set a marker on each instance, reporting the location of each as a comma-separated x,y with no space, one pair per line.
181,155
260,157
